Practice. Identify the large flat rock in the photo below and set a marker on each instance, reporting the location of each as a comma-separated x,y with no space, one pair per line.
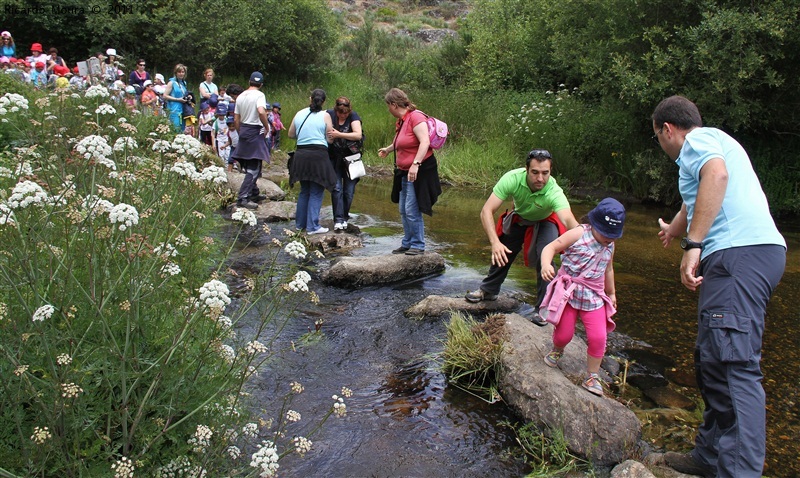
599,428
356,272
267,187
436,305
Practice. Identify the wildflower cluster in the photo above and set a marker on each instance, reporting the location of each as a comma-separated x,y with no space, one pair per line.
41,435
70,390
300,282
63,359
12,102
265,459
188,145
293,416
96,91
123,468
201,439
296,250
26,193
125,142
245,216
535,119
255,347
105,109
339,407
125,215
302,445
214,294
93,147
44,312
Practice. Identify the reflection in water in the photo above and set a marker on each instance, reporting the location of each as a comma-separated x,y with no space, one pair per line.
404,421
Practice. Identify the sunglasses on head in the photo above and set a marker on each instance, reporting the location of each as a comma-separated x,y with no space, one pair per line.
141,64
540,153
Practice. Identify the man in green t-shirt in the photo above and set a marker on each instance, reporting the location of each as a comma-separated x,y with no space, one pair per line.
539,204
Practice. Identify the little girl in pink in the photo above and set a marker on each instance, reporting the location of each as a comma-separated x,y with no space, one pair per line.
584,286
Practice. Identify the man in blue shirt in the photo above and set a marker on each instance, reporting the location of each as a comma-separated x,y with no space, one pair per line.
735,256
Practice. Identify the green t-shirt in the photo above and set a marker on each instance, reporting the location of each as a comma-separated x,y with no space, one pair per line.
533,206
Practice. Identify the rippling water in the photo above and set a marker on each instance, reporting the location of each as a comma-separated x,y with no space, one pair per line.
403,419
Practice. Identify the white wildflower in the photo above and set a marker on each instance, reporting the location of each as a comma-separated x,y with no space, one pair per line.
255,347
213,174
188,145
201,439
162,146
214,294
166,249
63,359
170,269
125,142
41,435
26,193
70,390
124,214
93,147
293,416
184,168
13,102
250,430
265,459
44,312
234,452
245,216
302,445
96,91
297,387
296,250
105,109
339,407
123,468
227,353
6,215
182,241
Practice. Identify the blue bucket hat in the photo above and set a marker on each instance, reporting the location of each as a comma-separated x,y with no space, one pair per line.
608,218
213,100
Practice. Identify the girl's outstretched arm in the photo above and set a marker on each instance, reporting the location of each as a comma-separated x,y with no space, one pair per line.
562,242
610,288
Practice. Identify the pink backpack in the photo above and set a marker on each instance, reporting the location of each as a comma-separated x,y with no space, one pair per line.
437,130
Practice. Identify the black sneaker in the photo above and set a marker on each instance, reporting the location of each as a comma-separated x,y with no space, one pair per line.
479,295
257,197
685,463
246,204
400,250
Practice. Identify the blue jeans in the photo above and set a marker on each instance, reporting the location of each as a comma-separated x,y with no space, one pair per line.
309,203
413,225
342,194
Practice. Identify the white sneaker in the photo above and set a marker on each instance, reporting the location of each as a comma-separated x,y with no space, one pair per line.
321,230
339,226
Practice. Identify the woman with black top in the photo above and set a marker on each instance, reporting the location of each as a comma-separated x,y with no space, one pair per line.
311,165
346,140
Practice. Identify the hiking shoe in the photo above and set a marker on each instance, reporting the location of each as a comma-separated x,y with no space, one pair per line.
257,197
537,319
340,226
479,295
400,250
552,358
246,203
415,252
321,230
594,384
686,464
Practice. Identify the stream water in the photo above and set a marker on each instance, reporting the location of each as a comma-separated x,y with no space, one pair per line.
405,420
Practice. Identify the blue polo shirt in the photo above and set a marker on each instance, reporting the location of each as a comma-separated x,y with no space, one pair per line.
744,218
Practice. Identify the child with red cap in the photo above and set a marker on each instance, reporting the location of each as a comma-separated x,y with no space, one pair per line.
39,75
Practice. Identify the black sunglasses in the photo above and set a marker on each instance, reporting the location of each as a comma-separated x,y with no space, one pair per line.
540,153
141,64
343,104
655,136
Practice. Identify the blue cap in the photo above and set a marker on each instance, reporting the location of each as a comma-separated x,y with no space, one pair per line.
213,100
276,105
608,218
257,77
222,109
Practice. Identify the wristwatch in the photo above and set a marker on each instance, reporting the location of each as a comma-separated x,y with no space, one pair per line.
416,163
687,244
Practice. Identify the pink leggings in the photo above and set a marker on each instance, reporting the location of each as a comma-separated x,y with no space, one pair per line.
594,321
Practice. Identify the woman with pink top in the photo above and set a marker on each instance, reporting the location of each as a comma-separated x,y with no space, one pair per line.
584,286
